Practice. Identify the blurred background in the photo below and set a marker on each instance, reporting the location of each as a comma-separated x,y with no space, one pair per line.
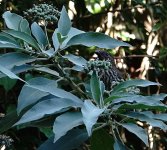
141,23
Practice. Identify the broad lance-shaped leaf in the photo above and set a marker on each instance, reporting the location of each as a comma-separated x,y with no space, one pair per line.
64,23
43,84
72,140
30,95
55,40
6,44
96,89
138,131
71,33
134,82
23,36
9,60
139,99
146,117
47,106
24,26
8,39
99,40
12,20
39,34
77,60
66,122
9,73
18,69
90,115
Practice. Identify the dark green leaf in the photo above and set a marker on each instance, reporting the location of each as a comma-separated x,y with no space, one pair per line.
64,23
73,139
99,40
8,121
68,121
47,131
101,140
7,83
96,89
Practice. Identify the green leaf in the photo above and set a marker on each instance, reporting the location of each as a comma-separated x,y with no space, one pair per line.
145,116
47,131
8,39
50,52
55,40
30,95
138,131
6,44
23,36
68,121
96,89
99,40
8,121
64,23
44,85
9,60
18,69
12,20
7,83
157,26
24,26
128,106
162,117
77,60
71,33
72,140
101,140
47,106
134,82
91,119
39,34
9,73
139,99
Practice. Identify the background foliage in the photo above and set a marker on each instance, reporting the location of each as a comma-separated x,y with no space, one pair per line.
140,23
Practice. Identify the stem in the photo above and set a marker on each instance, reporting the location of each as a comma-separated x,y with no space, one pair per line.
99,127
45,24
73,85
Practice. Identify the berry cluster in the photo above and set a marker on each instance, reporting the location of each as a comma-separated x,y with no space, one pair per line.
43,12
